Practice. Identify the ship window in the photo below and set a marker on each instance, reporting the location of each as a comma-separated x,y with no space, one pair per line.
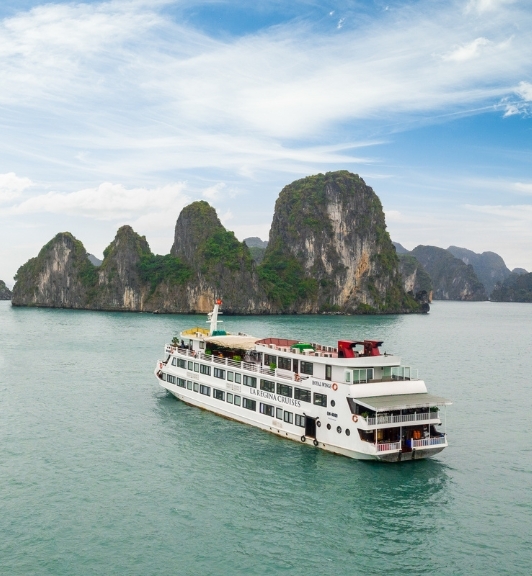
189,385
196,387
347,432
218,394
328,426
302,394
269,359
174,361
284,363
238,377
181,363
182,383
348,376
202,344
190,365
267,409
250,381
249,404
205,369
284,390
230,376
205,390
300,421
237,400
307,367
279,413
267,386
229,398
288,417
219,373
163,376
196,367
328,372
320,399
339,429
333,403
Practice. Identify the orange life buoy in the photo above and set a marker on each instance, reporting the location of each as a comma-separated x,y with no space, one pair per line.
354,418
335,386
160,365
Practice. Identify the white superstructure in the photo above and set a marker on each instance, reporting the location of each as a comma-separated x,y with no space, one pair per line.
349,399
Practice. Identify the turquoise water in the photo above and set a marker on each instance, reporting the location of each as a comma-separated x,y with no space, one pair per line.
103,473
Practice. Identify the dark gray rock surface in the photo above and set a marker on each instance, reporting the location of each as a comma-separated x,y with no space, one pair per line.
5,292
489,266
452,279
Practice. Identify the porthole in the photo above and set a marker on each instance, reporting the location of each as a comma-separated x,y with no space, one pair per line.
339,429
333,403
347,432
328,426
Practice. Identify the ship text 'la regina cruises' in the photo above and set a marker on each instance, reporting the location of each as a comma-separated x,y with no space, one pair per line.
349,399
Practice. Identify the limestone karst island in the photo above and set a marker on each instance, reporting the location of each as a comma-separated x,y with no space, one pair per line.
328,252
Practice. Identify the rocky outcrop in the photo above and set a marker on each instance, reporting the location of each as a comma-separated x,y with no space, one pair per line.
452,279
329,250
519,271
415,277
5,292
93,260
222,267
61,276
515,288
488,266
399,248
257,248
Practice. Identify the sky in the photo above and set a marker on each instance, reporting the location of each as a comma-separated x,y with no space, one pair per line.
124,111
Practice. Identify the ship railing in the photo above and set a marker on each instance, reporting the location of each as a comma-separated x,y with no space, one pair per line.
429,442
234,363
249,366
397,419
267,371
388,446
218,360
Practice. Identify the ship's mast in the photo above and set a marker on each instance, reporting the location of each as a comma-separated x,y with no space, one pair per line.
213,317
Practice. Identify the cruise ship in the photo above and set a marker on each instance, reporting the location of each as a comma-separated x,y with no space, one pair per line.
349,399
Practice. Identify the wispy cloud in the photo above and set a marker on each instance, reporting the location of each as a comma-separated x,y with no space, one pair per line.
12,186
467,51
106,202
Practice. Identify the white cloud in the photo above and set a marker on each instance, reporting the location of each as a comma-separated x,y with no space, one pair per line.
107,201
467,51
525,91
482,6
214,192
12,186
523,187
340,23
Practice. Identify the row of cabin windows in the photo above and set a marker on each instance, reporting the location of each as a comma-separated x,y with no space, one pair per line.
287,364
279,361
247,403
266,385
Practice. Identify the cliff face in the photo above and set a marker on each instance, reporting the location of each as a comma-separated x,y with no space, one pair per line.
61,276
515,288
415,277
222,267
5,292
452,279
120,286
329,249
489,267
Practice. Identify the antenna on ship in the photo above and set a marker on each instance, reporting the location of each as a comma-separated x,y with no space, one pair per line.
213,317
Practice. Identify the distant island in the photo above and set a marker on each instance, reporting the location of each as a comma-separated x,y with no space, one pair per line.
328,252
5,292
461,274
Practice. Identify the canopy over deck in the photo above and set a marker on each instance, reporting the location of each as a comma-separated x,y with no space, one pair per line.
402,402
233,341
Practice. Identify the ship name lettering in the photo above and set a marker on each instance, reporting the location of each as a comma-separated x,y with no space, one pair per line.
322,384
276,397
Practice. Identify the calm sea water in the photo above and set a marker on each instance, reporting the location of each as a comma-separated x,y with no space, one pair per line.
102,472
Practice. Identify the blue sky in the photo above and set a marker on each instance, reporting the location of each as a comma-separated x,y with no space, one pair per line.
122,112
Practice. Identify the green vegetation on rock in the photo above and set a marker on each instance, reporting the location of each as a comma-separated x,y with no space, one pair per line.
155,269
516,288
